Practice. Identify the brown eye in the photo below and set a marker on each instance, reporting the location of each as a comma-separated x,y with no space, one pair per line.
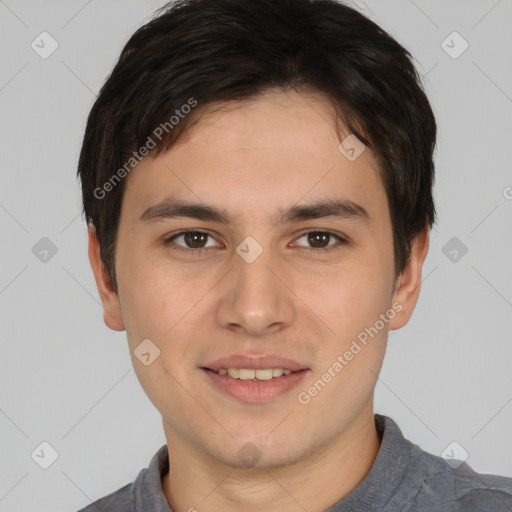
191,240
320,240
195,239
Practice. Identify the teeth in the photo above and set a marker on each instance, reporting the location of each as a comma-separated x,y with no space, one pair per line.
265,374
248,374
245,374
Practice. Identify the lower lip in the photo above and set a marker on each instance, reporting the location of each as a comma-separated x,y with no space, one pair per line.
256,391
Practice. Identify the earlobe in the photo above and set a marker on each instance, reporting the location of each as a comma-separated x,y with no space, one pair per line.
112,314
409,282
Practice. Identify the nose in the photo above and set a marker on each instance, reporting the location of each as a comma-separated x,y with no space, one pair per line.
255,298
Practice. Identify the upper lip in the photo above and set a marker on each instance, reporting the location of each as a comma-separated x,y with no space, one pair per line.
255,363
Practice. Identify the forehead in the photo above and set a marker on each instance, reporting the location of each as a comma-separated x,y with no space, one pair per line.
241,123
278,148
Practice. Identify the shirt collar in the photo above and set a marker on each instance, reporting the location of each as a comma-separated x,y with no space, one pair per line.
394,478
393,481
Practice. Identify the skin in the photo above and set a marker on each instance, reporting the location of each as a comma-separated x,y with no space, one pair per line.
251,160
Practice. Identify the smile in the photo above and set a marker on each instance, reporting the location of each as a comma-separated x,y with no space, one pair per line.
249,374
254,386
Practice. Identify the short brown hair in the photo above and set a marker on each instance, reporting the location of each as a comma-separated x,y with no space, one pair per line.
222,50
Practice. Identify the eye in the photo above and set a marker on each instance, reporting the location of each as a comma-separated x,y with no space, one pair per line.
193,239
319,240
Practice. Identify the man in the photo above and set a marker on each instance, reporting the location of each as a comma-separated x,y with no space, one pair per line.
257,178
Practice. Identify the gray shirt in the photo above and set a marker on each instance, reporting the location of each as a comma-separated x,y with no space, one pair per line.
403,478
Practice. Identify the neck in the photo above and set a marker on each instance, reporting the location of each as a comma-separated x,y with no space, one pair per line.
314,483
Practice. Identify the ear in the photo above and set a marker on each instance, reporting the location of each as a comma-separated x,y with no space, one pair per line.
409,282
112,315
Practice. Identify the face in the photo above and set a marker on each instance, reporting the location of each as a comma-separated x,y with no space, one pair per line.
256,237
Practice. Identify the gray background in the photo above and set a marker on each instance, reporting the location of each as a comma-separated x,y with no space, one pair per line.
67,380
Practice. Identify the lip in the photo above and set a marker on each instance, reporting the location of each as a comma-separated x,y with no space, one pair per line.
255,363
255,391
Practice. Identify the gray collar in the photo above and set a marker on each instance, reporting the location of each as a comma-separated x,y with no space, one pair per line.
393,481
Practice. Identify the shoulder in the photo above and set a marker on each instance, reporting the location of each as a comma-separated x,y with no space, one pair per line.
118,501
456,487
145,493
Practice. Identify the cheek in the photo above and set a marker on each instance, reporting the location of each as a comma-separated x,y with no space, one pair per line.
352,349
156,304
151,298
349,302
348,299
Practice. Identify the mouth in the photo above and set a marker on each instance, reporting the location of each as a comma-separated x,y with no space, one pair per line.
245,374
255,380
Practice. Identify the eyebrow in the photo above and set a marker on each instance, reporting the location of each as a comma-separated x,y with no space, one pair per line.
175,208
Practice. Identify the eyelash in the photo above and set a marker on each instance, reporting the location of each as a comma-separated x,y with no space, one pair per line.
340,239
